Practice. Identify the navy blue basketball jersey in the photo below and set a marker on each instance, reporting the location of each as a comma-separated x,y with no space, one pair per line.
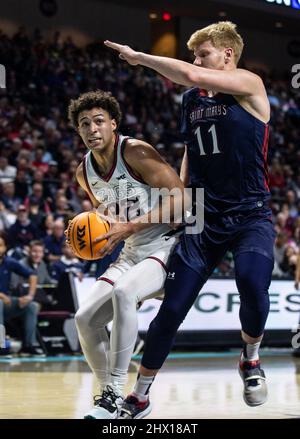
227,152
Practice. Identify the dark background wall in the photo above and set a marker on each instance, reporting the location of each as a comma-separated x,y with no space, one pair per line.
128,22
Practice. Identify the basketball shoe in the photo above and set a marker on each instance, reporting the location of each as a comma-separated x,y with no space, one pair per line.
132,408
255,387
107,405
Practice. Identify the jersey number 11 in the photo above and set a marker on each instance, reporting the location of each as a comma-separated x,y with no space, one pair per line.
212,130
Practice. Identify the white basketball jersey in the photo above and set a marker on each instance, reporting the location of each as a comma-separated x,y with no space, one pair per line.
124,193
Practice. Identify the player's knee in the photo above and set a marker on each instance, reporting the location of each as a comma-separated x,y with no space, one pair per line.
123,294
247,282
258,303
80,320
253,293
167,322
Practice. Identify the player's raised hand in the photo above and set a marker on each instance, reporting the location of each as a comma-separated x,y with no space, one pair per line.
125,52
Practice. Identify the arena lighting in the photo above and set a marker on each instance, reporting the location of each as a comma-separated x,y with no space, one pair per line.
166,16
295,4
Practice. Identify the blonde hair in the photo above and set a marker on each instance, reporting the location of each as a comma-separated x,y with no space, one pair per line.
222,35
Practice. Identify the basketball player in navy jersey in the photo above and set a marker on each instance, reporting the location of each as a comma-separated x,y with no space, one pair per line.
225,117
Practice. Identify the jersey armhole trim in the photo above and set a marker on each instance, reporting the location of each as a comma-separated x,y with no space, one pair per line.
107,177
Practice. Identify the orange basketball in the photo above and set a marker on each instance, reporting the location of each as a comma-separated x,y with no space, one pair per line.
81,232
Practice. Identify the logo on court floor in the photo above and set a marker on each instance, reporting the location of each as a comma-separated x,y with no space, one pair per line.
296,338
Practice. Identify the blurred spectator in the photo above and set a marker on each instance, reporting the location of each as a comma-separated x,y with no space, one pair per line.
35,261
47,225
62,208
54,242
21,184
67,263
86,206
7,218
22,232
24,306
37,198
279,253
38,160
7,172
289,262
9,198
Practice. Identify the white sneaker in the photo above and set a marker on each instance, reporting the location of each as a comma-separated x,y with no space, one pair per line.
107,405
255,386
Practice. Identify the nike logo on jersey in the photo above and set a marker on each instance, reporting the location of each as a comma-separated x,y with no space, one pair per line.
121,177
94,184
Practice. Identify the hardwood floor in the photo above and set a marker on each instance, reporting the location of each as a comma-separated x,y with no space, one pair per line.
187,387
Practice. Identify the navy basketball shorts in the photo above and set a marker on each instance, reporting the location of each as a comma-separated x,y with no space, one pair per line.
239,233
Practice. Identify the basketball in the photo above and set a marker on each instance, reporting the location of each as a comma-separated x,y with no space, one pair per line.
81,232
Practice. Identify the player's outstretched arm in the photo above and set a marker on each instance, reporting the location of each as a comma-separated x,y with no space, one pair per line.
236,81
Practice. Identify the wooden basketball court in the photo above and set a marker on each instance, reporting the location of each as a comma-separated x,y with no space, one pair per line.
190,386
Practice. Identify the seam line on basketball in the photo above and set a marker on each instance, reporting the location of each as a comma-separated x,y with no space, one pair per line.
106,228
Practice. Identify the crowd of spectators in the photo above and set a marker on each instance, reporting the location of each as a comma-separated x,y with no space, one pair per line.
39,151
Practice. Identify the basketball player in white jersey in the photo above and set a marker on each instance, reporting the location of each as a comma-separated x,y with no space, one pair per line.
114,163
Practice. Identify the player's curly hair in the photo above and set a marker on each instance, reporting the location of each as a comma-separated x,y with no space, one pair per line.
222,34
94,99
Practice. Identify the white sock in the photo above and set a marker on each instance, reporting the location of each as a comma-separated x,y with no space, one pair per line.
118,381
250,351
142,387
103,379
